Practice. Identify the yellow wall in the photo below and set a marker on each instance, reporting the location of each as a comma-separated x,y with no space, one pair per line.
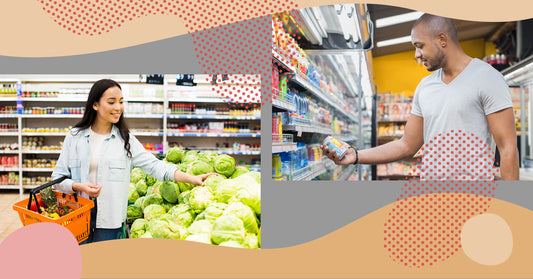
399,73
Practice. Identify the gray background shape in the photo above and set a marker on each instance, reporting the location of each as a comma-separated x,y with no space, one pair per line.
292,212
172,55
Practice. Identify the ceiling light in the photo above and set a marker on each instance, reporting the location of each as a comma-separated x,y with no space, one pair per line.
394,41
397,19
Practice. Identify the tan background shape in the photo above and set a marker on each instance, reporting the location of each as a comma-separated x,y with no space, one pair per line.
28,31
355,250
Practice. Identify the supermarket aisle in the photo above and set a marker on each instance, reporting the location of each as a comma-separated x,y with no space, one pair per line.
9,222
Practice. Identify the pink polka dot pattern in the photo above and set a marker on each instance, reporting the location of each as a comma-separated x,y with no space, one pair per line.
456,183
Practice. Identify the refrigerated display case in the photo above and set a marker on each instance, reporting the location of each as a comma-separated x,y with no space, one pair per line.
322,85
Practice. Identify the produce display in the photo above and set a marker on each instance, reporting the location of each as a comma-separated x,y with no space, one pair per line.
225,211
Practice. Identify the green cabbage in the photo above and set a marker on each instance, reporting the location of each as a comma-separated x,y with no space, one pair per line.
199,198
136,175
162,229
134,212
250,192
199,167
226,190
146,235
213,211
183,214
153,211
240,170
185,186
174,155
201,227
138,228
202,238
208,157
226,228
141,187
182,167
169,191
251,241
132,194
190,156
139,202
244,213
256,175
183,197
152,199
150,180
231,243
213,181
225,165
166,205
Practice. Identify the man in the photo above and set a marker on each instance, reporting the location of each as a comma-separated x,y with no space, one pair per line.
463,94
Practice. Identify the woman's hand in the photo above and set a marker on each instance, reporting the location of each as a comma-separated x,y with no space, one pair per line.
90,189
199,179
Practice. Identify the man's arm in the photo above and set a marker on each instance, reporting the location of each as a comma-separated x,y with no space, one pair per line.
502,126
407,146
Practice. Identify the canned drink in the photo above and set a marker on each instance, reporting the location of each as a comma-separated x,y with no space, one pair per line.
336,146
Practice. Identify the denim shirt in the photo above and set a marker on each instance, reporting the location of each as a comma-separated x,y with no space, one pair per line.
114,167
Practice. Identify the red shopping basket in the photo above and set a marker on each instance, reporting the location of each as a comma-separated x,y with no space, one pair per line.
77,222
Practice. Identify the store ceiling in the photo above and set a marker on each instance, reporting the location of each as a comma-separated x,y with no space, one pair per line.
467,30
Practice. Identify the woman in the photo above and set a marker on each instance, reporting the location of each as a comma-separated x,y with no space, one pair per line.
98,155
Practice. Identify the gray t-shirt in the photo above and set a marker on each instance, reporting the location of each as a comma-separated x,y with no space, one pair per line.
462,105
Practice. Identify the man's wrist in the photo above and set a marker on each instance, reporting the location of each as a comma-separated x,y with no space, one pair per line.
356,155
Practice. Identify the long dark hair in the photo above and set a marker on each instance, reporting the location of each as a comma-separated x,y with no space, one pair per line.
97,90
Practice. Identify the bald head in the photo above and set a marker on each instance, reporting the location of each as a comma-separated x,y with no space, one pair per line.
434,25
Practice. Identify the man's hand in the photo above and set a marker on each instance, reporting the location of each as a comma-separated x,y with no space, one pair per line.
349,156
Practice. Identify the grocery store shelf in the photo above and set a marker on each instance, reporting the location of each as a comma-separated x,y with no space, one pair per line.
9,151
8,99
348,139
225,117
307,129
52,115
349,170
30,186
147,134
200,100
9,169
14,187
8,115
310,172
255,169
38,169
228,135
54,99
392,121
283,147
317,92
144,116
281,59
9,133
284,105
142,99
44,134
41,151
